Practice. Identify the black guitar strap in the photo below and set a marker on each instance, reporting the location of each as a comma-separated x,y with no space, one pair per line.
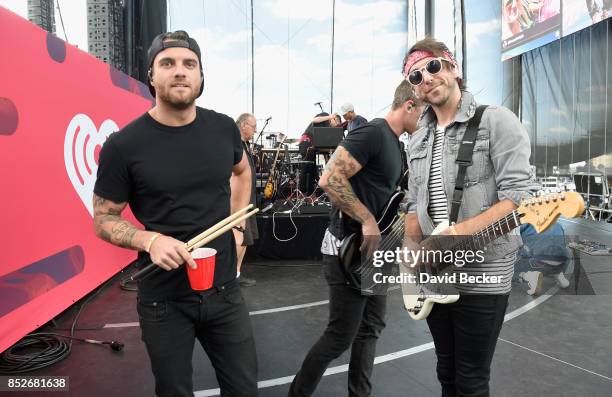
464,160
403,181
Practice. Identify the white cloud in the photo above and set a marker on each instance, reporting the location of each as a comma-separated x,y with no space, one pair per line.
321,10
19,7
475,31
318,10
74,14
289,79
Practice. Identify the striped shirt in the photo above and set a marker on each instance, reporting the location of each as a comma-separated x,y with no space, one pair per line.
438,211
438,204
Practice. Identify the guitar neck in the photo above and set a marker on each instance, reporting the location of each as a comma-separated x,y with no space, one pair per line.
280,145
493,231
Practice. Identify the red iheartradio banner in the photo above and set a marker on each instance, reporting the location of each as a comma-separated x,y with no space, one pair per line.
57,106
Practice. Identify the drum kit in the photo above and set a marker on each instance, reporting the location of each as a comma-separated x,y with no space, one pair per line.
284,164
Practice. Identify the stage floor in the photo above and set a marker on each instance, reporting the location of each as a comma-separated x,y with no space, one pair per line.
557,344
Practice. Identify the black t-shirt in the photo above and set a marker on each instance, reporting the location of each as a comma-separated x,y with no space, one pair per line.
251,160
376,147
176,181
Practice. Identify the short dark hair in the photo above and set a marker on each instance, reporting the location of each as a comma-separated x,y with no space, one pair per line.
437,48
404,92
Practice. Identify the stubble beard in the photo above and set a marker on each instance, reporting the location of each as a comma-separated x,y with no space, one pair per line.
442,100
177,104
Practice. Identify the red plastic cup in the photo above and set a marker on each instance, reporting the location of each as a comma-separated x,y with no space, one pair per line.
201,278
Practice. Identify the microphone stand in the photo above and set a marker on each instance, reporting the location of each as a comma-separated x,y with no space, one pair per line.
261,133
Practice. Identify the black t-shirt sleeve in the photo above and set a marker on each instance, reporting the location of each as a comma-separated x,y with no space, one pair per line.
113,180
237,143
363,143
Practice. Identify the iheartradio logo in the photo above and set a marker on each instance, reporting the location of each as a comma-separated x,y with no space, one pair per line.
81,150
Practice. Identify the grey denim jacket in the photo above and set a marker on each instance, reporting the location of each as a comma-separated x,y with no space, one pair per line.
500,168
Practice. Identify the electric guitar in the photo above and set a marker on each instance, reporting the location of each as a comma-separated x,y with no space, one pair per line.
541,212
270,187
359,273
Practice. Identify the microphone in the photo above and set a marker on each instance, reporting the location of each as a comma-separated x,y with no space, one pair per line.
268,119
317,103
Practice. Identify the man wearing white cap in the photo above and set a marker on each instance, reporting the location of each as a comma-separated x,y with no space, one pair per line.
354,120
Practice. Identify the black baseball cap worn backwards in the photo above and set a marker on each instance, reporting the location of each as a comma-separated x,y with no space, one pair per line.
158,45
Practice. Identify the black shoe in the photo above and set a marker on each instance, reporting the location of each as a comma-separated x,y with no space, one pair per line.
246,282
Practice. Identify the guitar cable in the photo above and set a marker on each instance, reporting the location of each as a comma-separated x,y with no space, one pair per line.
297,204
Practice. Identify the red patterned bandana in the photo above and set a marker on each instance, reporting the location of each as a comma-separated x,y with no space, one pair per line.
419,55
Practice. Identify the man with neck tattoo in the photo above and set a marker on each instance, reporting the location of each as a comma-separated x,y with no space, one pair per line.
360,177
498,179
173,165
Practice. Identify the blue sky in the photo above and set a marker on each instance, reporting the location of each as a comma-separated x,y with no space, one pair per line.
292,56
293,41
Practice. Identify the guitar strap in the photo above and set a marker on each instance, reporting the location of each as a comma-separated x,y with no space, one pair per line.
464,160
403,181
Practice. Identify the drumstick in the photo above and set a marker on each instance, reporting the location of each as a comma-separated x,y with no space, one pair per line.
210,232
219,232
218,225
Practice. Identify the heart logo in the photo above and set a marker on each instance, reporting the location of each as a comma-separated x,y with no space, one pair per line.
81,150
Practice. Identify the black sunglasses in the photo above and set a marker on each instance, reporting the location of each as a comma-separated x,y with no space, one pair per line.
432,67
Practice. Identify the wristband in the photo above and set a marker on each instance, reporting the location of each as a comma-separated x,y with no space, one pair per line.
153,238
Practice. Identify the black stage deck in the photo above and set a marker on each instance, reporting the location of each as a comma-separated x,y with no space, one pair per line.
555,345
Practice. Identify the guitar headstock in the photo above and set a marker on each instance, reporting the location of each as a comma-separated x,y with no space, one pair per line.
543,211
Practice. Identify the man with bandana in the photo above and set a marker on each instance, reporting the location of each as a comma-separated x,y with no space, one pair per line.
465,332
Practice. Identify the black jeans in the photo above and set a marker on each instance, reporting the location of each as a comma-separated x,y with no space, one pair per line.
355,321
219,319
465,334
308,178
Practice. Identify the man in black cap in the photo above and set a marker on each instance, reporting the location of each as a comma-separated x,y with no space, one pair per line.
172,165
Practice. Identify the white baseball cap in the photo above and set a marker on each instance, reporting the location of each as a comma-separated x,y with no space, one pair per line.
347,107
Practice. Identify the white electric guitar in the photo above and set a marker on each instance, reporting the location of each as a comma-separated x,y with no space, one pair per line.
540,212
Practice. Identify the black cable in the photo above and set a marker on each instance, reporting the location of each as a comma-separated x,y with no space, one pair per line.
33,353
42,349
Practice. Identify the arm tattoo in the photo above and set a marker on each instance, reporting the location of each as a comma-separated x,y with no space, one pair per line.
109,224
339,184
98,201
123,233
